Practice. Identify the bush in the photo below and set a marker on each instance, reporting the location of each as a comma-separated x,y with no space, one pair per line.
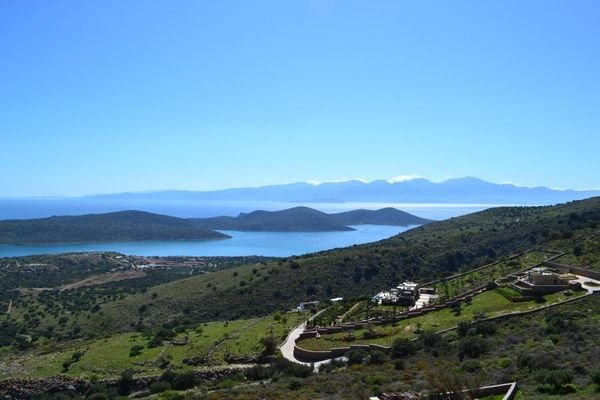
556,379
170,395
98,396
484,328
472,346
463,328
160,336
125,383
159,387
135,350
356,356
377,357
269,345
258,373
399,365
331,365
595,375
167,376
402,348
429,339
471,366
295,384
184,381
289,368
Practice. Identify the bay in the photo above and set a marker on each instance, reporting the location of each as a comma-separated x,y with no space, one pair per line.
274,244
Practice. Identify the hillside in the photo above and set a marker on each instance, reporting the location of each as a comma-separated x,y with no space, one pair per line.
305,219
384,216
110,227
422,254
297,219
428,252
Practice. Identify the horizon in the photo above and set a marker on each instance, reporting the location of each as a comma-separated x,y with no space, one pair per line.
110,97
391,181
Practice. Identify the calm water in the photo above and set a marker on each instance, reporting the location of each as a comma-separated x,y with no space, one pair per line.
243,243
279,244
40,208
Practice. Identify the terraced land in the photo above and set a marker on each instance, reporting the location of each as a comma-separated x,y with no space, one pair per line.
208,344
489,304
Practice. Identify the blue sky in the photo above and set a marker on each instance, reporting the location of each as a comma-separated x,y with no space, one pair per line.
111,96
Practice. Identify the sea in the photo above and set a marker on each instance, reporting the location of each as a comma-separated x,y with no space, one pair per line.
273,244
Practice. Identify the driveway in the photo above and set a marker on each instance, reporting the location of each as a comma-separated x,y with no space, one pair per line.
287,348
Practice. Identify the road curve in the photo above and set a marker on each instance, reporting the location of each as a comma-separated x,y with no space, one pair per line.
287,347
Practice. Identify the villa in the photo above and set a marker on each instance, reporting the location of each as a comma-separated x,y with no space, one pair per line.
407,294
541,281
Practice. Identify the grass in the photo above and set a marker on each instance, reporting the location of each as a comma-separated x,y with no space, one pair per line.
455,286
108,357
490,303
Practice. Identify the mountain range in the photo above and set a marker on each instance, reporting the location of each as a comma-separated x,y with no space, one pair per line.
139,225
467,190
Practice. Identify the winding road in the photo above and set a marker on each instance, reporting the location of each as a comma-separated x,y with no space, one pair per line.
287,347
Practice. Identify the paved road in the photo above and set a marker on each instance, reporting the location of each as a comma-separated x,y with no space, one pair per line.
287,348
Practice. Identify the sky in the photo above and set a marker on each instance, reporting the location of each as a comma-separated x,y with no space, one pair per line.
112,96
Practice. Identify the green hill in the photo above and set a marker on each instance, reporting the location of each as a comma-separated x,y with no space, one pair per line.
305,219
109,227
428,252
297,219
385,216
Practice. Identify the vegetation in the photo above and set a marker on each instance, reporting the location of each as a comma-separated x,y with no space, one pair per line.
178,347
304,219
160,321
488,304
110,227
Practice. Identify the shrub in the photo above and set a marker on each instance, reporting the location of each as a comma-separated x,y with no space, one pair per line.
258,372
125,383
135,350
504,362
167,376
159,387
399,365
472,346
170,395
269,345
463,328
289,368
184,381
377,357
595,375
160,336
402,347
356,356
471,366
295,384
485,328
556,379
98,396
429,339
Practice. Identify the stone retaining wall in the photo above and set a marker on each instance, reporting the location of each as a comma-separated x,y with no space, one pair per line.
314,356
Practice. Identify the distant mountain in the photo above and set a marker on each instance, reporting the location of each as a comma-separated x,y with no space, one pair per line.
305,219
385,216
462,190
297,219
111,227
